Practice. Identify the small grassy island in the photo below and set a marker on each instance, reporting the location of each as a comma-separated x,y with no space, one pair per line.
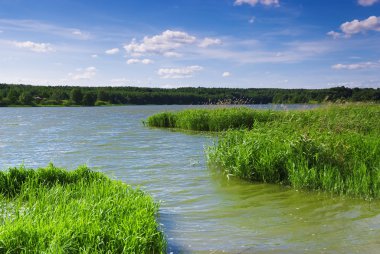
334,148
51,210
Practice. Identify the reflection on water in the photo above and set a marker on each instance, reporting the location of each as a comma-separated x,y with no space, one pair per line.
201,212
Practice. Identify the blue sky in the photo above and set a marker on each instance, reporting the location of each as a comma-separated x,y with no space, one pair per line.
176,43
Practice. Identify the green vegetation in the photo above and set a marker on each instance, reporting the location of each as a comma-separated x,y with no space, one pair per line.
335,148
13,95
50,210
218,119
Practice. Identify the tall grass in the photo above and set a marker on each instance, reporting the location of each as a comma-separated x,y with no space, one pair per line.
51,210
218,119
333,148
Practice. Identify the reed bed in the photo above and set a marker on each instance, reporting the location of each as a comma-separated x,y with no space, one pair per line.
334,148
51,210
217,119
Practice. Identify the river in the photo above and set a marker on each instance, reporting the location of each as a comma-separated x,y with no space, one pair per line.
201,211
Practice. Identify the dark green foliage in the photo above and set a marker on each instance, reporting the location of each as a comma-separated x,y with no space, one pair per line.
76,96
59,95
89,99
26,98
51,210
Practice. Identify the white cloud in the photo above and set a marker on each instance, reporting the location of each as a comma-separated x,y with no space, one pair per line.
357,26
136,61
226,74
87,73
254,2
33,46
146,61
80,35
172,54
367,2
356,66
206,42
334,35
1,31
161,44
112,51
94,56
185,72
252,20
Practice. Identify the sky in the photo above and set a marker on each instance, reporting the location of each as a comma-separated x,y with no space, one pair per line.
180,43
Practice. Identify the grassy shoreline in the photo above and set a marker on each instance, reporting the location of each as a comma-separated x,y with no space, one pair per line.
334,148
52,210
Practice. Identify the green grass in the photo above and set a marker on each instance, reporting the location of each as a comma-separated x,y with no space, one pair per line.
218,119
51,210
334,148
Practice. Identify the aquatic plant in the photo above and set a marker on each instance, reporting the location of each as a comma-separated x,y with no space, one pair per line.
333,148
51,210
216,119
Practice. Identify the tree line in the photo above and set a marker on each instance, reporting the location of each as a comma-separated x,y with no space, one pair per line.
27,95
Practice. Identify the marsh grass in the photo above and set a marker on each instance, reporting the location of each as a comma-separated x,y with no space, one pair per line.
217,119
51,210
334,148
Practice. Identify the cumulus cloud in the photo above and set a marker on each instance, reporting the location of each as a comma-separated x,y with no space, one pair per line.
350,28
356,66
33,46
185,72
87,73
112,51
164,43
226,74
367,2
206,42
136,61
356,26
255,2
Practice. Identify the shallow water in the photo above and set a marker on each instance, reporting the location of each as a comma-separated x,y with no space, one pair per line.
201,212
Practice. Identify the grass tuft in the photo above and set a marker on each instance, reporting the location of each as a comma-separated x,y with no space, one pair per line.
51,210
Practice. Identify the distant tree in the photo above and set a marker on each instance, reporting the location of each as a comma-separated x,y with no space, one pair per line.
76,96
89,99
59,95
26,98
13,96
103,95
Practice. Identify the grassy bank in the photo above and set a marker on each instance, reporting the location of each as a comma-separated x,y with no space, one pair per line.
51,210
334,148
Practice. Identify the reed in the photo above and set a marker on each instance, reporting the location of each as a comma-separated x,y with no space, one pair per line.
216,119
51,210
334,148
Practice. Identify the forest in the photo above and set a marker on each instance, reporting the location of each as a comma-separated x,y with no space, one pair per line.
28,95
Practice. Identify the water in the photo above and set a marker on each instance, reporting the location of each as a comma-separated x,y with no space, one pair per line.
201,212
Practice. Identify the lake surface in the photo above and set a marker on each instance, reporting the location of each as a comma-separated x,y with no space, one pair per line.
201,211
